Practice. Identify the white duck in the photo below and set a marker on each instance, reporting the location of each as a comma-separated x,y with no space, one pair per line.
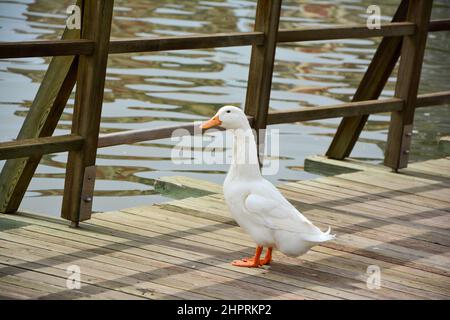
256,205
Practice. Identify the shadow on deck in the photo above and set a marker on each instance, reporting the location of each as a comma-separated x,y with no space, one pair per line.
182,249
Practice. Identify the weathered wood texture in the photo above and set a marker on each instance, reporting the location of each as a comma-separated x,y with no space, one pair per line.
200,41
41,121
39,146
439,25
357,108
261,62
43,48
307,114
23,148
40,48
96,26
183,249
393,29
432,99
340,110
408,79
370,88
132,136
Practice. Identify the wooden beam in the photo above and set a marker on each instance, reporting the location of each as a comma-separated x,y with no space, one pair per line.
307,114
432,99
200,41
340,110
393,29
39,146
261,66
133,136
370,88
408,79
40,121
96,26
439,25
352,109
45,48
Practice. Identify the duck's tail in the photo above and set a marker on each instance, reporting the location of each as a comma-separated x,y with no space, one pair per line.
328,236
321,236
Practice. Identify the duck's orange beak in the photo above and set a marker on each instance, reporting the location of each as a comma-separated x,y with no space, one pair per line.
213,122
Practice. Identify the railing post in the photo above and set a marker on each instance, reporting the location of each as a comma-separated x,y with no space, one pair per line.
41,120
408,79
80,171
261,64
370,88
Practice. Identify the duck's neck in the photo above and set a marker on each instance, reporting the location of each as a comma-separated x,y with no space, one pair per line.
245,156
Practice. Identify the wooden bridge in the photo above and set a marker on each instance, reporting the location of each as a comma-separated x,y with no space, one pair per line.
397,222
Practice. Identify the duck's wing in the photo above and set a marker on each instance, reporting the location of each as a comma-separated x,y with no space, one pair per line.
277,214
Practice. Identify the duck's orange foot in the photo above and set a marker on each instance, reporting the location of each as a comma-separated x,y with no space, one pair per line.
254,262
248,263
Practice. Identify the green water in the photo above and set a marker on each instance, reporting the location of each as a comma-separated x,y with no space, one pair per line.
149,90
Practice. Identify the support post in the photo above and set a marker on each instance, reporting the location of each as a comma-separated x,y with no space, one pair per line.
41,121
370,88
261,65
80,171
408,79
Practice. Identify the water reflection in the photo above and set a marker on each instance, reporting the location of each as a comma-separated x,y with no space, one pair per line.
148,90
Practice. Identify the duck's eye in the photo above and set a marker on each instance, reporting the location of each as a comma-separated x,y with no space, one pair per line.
228,111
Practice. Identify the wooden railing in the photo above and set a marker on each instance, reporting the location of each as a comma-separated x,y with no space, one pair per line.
81,58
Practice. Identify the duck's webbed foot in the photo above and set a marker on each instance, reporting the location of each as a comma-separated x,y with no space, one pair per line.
245,263
255,261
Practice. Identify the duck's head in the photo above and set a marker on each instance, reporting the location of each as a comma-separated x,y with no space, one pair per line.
228,117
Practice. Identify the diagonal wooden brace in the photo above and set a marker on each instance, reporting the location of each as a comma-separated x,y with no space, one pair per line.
370,88
40,121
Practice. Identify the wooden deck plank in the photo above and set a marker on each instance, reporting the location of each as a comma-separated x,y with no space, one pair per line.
148,248
249,248
93,278
329,277
146,269
108,279
370,247
438,282
403,197
153,219
190,206
349,191
182,249
219,256
59,284
328,199
165,249
407,184
225,239
409,210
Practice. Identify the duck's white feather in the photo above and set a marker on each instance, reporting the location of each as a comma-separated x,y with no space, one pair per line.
281,217
256,205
